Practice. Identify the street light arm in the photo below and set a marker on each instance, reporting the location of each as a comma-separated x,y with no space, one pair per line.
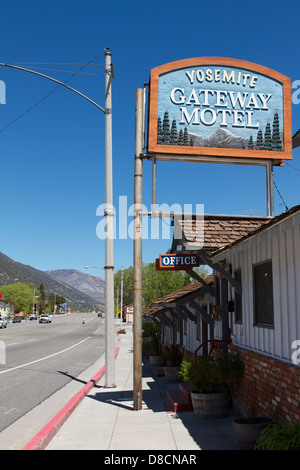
56,81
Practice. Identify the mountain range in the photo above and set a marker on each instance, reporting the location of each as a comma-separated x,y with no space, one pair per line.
85,283
81,290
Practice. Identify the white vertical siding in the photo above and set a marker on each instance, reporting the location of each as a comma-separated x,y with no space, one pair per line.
281,244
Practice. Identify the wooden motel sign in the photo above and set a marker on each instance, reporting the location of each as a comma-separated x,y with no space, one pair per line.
183,261
219,107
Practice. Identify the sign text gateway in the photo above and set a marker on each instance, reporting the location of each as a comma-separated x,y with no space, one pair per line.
220,107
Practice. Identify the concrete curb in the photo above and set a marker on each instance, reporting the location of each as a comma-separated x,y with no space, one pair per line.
44,436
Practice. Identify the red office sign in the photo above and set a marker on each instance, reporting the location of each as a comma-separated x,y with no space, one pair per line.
173,262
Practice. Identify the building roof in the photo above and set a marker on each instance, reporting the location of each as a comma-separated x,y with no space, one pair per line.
267,224
296,139
180,294
215,232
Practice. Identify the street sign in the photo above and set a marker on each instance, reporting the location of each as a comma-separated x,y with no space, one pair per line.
174,262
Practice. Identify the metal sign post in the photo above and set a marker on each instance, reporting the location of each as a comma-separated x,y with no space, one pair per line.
109,255
137,255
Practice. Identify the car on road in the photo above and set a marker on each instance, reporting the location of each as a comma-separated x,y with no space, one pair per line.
16,320
99,314
45,319
3,322
33,316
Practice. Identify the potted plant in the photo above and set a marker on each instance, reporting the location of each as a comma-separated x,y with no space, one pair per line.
249,428
209,399
279,436
150,343
173,355
213,380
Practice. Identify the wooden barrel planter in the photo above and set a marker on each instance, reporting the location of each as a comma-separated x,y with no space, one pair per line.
248,430
157,361
210,405
171,374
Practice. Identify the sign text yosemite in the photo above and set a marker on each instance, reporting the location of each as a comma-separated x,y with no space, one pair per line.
220,107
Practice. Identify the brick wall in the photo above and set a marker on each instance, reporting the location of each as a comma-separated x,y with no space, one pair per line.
269,387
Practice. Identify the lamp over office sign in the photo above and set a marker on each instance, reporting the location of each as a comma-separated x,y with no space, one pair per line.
220,107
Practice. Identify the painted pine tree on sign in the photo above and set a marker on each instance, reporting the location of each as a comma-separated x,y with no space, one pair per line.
260,140
268,138
166,128
276,140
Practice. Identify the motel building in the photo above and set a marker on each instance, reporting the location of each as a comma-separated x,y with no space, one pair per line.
250,301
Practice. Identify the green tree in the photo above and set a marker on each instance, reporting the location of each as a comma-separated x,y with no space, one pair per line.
127,286
42,298
54,299
22,296
156,284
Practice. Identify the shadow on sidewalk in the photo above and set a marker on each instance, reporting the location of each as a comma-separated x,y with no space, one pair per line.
124,399
214,434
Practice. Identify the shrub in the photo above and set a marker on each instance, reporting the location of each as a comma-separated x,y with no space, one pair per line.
203,374
174,354
279,436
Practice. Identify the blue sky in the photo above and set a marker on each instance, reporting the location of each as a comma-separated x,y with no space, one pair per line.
52,159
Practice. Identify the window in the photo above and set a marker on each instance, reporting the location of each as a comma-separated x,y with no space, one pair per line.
238,298
263,294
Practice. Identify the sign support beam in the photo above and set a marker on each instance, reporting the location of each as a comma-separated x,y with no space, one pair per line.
270,189
137,251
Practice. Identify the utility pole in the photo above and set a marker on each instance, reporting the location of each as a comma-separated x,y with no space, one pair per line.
137,240
109,225
109,256
121,309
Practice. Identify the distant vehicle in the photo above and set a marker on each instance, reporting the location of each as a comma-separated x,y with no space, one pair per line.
17,320
45,319
99,314
33,316
3,322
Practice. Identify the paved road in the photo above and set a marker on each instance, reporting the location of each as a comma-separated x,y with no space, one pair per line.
42,358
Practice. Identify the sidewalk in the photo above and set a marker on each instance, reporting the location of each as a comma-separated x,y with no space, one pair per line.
104,419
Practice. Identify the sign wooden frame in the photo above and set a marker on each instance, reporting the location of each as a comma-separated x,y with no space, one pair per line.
172,152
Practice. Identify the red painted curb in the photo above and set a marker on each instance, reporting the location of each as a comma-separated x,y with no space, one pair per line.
44,436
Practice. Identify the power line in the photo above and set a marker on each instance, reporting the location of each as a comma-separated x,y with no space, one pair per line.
280,195
52,63
49,94
288,164
68,71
